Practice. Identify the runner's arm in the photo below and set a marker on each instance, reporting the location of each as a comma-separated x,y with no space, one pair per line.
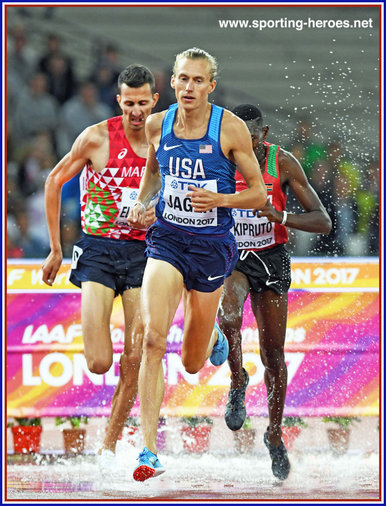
315,219
66,169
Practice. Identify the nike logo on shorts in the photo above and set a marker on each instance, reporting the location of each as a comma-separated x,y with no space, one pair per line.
212,278
166,147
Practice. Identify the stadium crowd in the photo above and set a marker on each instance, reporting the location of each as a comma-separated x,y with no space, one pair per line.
48,106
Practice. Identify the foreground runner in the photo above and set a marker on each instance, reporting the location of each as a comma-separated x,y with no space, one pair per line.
193,149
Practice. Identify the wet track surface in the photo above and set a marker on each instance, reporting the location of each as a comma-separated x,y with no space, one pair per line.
313,477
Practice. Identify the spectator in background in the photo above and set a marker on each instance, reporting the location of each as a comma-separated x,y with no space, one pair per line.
25,184
162,85
347,211
322,181
110,59
13,235
70,232
105,76
368,207
304,146
58,68
81,111
36,215
37,159
36,112
308,151
30,245
345,187
21,63
106,84
60,85
13,249
14,197
21,58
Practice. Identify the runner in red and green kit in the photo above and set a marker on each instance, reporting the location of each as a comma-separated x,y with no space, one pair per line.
109,259
107,196
263,272
254,232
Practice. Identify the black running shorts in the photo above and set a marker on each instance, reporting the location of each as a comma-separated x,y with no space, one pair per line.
269,269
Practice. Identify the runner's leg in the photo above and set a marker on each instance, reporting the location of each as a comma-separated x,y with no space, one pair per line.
160,296
126,390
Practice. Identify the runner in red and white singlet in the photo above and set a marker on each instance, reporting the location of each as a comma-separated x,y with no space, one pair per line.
107,196
109,259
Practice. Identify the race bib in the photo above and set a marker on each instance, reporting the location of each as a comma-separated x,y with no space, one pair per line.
250,231
129,197
178,207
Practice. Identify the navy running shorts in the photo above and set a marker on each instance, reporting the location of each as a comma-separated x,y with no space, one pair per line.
115,263
268,269
204,262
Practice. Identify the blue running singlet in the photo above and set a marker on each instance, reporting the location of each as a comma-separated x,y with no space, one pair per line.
198,162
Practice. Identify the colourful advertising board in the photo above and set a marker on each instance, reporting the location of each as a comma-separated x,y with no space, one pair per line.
332,348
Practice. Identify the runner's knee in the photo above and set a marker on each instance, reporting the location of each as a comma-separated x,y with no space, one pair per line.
230,319
230,327
273,359
191,363
99,365
129,362
154,344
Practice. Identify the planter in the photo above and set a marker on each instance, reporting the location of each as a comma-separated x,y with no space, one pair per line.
244,440
74,441
196,439
26,438
339,440
289,435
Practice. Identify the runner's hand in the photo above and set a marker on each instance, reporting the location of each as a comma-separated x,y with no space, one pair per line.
50,267
137,216
150,216
202,200
269,212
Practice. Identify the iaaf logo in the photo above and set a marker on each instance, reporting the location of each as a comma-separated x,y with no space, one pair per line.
183,185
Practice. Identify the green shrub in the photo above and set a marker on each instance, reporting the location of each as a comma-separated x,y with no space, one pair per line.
193,421
75,421
291,421
342,421
25,421
132,421
247,425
